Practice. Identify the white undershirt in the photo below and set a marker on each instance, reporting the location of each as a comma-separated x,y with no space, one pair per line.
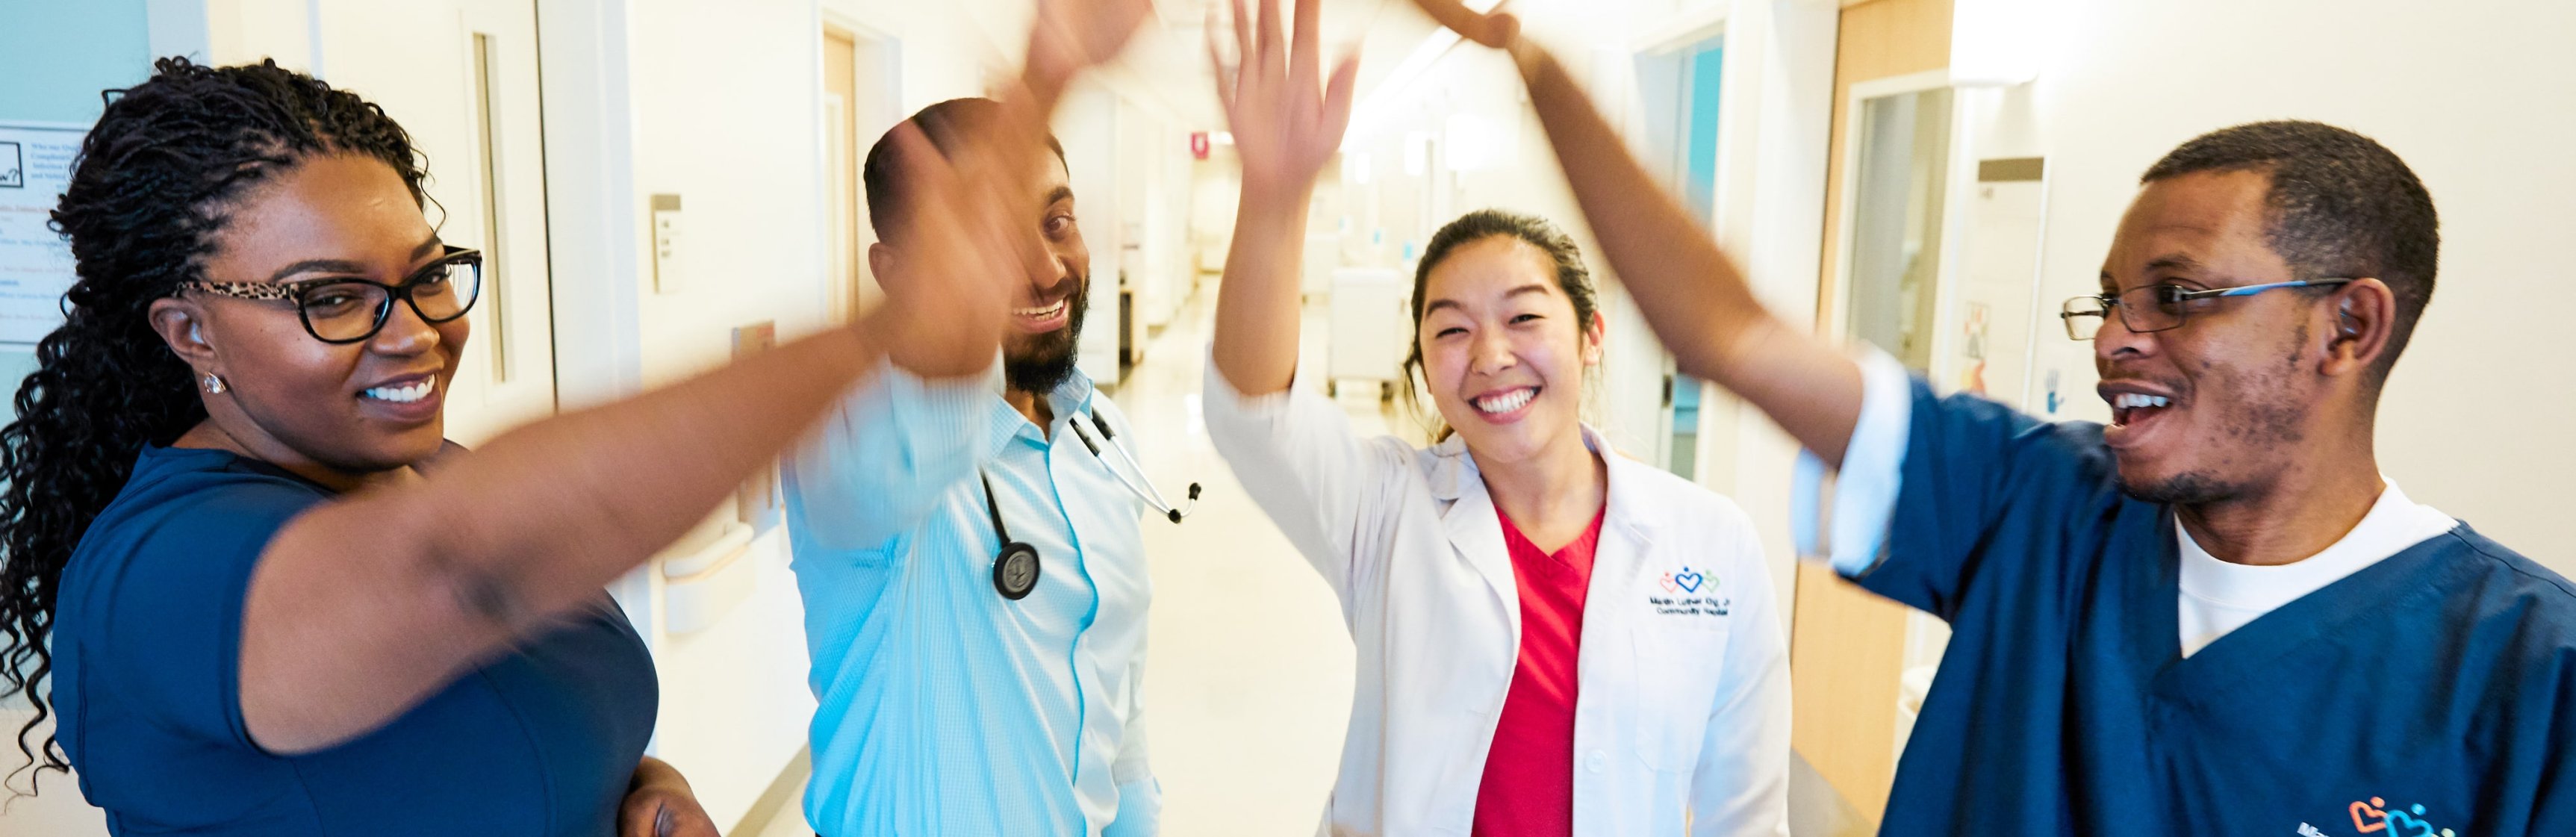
2218,597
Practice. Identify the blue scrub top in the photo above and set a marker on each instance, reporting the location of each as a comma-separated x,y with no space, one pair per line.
147,649
2432,694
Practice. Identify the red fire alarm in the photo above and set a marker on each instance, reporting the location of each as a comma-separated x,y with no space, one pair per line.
1199,144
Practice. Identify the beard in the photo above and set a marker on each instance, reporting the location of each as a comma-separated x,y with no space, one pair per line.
1045,361
2262,419
2187,489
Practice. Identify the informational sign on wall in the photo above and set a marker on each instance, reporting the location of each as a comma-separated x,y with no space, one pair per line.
35,263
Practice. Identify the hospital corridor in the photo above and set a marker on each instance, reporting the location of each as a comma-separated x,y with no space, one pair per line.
1118,418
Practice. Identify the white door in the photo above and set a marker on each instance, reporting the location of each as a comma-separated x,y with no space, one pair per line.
461,77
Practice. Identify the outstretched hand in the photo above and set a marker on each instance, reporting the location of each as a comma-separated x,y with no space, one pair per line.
1073,35
1287,120
967,252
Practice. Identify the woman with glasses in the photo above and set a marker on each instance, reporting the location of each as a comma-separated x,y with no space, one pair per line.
267,595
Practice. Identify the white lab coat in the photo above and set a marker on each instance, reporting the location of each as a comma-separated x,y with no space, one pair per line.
1682,715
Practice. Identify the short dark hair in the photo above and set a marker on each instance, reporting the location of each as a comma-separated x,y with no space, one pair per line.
947,124
2342,205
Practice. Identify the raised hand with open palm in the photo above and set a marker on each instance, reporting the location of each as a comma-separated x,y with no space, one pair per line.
1287,121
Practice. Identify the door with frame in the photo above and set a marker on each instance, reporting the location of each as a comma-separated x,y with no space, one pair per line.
861,99
461,76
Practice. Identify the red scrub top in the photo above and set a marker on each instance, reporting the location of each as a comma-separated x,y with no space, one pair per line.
1528,788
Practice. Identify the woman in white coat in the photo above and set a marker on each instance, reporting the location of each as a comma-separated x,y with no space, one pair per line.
1552,639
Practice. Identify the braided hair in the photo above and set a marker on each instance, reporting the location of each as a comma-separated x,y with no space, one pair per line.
153,185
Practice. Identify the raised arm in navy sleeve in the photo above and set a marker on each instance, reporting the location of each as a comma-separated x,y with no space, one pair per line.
1984,484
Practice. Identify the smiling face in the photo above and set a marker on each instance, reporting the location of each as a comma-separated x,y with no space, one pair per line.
1047,318
1503,352
2214,409
352,409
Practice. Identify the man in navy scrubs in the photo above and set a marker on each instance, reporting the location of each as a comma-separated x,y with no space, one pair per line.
2213,616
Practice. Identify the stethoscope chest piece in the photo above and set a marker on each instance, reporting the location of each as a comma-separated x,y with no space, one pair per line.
1015,570
1016,567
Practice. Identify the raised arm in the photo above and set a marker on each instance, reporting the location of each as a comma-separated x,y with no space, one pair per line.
362,607
1287,124
1690,292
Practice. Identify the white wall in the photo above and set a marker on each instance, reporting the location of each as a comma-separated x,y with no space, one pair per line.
725,115
2474,95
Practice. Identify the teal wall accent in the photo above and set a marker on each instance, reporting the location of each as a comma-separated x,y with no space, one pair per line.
56,55
55,58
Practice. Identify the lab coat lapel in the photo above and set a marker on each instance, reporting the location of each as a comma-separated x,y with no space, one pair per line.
1474,529
1620,558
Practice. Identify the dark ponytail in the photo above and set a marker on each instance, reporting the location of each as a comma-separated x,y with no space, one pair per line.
1571,277
149,191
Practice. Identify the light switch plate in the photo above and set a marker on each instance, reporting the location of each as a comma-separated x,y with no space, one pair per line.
666,244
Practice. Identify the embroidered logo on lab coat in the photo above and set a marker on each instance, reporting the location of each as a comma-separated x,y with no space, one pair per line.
1689,592
2380,819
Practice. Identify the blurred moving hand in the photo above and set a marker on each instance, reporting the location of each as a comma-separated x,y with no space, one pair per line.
965,238
968,253
1287,123
1073,35
1495,29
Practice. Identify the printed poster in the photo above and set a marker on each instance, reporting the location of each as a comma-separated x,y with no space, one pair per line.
35,262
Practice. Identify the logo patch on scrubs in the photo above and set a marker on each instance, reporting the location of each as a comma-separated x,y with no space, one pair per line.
2378,818
1688,593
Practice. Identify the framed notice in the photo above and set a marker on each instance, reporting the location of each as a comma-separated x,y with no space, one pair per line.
35,263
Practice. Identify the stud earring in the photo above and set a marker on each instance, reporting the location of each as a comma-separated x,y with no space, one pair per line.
213,384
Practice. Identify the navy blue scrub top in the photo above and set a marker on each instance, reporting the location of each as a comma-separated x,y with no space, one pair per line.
147,650
2429,694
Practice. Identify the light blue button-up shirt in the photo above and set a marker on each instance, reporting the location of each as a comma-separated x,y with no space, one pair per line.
945,708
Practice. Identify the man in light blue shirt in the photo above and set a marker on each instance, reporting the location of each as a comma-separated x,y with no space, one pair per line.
962,692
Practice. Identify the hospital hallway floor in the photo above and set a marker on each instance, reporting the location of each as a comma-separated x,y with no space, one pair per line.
1248,668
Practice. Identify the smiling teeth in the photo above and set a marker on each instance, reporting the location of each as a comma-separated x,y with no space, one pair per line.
1040,311
2131,401
1508,401
402,395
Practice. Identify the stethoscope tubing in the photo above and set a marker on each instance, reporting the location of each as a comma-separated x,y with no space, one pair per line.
1146,492
1016,565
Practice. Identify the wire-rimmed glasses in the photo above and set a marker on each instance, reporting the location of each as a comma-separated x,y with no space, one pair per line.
2157,307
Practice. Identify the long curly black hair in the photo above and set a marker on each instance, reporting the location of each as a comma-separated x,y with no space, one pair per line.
152,187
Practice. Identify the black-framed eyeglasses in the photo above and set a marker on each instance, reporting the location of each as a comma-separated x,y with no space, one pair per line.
343,310
2158,307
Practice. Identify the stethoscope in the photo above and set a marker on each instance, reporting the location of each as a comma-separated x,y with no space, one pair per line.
1016,566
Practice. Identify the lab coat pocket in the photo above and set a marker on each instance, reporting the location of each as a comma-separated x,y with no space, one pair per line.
1677,677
